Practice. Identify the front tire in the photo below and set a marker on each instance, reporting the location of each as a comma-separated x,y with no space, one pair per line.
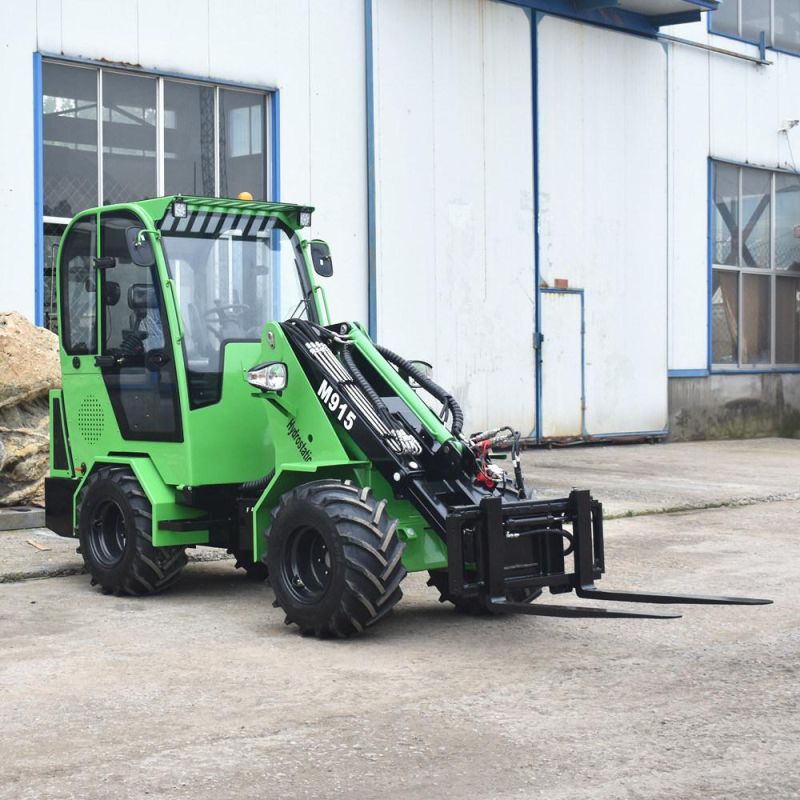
115,530
334,558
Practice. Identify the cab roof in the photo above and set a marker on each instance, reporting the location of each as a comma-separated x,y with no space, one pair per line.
157,207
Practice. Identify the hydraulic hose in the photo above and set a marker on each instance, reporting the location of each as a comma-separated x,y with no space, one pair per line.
426,383
364,385
257,485
519,481
307,330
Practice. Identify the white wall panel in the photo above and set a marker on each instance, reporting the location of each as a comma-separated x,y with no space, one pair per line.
48,26
693,31
17,44
405,181
744,111
174,36
249,42
509,216
313,51
762,115
101,29
731,110
562,366
728,108
623,169
460,243
603,189
786,75
454,188
688,208
338,150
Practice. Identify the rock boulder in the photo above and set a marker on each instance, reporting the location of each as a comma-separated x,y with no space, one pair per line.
29,368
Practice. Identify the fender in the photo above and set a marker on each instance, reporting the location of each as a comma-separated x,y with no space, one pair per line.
161,496
424,548
286,477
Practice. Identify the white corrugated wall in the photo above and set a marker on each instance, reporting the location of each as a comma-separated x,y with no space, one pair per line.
454,198
728,109
603,212
626,126
312,51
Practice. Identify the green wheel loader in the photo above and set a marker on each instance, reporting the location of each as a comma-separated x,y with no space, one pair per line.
210,399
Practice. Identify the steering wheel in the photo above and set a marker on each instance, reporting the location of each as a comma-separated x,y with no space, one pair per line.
230,312
235,309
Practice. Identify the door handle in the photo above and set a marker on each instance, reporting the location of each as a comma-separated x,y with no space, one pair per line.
156,359
104,361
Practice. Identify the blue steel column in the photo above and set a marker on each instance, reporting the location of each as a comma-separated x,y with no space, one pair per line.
275,148
372,303
38,192
709,263
537,321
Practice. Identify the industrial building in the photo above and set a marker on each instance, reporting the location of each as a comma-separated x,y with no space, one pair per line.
584,213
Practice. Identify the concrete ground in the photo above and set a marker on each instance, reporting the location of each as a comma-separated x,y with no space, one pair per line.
202,692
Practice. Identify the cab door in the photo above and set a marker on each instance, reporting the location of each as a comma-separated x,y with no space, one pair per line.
136,353
81,422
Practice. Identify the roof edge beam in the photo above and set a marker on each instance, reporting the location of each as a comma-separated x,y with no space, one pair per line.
609,16
709,5
587,5
675,19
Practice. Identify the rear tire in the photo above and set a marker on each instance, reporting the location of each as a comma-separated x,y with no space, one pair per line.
440,581
115,530
334,558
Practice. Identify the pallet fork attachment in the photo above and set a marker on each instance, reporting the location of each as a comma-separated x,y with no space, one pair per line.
503,606
486,559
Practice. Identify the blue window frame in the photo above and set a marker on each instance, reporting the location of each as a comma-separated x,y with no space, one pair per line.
754,257
105,134
773,23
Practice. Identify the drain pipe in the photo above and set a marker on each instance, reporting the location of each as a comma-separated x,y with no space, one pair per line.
761,60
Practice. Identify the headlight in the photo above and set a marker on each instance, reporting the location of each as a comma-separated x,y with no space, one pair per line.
268,377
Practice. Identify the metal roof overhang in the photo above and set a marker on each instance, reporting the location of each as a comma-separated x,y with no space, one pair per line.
638,16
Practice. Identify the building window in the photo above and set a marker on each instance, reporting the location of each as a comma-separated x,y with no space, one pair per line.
778,20
755,287
112,136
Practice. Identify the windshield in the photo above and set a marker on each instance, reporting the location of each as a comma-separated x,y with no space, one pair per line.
232,273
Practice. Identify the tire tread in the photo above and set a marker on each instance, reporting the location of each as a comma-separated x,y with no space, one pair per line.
152,569
372,556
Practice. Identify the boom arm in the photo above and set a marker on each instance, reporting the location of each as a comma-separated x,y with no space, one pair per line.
496,542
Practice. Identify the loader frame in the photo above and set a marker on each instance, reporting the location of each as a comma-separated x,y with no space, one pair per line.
348,411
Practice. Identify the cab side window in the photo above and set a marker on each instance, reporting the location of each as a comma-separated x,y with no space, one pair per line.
78,290
141,380
132,324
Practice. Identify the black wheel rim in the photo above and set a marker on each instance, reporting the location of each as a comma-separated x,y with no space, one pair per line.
107,534
306,565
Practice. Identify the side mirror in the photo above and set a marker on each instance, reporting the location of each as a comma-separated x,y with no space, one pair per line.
321,258
139,247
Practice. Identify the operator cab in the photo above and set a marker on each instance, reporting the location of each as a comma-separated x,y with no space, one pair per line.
163,304
232,273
